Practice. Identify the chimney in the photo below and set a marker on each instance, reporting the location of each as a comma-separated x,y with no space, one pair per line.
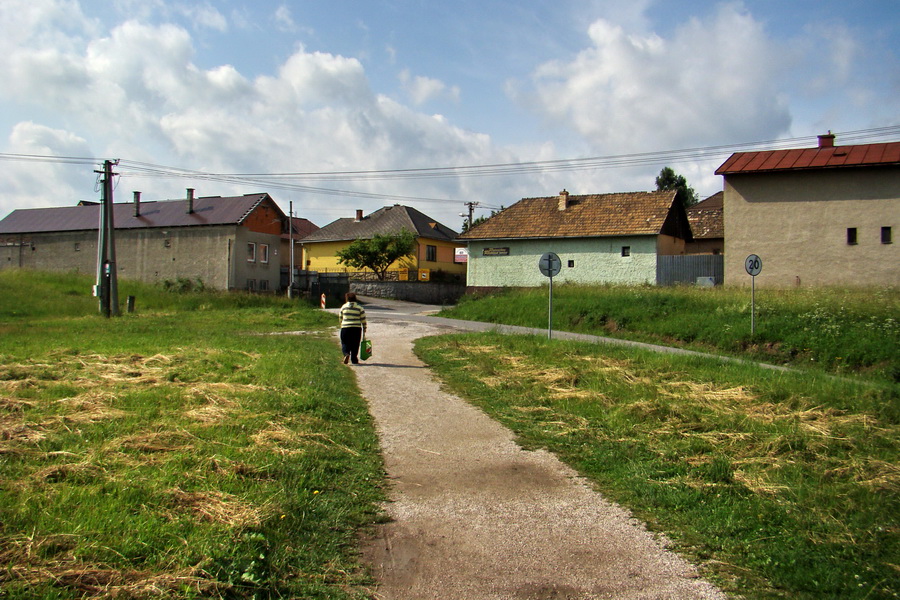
563,200
190,201
137,204
359,215
826,140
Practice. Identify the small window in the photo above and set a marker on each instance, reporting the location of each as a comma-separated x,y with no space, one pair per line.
886,236
78,245
431,253
251,252
263,285
626,250
264,253
167,243
571,264
251,284
851,236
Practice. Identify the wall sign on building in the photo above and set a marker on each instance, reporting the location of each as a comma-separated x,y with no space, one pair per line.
495,252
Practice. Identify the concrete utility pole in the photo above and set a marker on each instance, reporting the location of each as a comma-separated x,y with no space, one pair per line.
291,238
471,206
107,288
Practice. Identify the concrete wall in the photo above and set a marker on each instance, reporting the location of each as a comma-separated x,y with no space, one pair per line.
215,255
797,223
425,293
593,260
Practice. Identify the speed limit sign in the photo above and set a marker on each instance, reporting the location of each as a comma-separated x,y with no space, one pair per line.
753,264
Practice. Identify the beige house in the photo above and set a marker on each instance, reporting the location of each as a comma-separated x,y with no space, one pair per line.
434,255
815,216
231,243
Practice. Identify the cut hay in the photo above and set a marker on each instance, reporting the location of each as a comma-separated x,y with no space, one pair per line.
164,441
217,507
282,440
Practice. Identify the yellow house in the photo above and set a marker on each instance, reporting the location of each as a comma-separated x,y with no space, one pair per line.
435,251
820,216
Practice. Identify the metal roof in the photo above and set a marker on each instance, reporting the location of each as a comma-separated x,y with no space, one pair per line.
214,210
384,221
832,157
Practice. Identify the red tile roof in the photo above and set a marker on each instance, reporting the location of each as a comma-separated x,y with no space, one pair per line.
707,217
864,155
634,213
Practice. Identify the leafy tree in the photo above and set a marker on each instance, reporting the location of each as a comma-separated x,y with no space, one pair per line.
378,253
669,180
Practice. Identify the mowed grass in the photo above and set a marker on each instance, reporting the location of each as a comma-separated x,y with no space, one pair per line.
843,331
778,484
178,451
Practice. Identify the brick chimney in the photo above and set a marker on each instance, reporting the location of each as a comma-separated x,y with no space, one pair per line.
359,216
137,204
826,140
190,201
563,200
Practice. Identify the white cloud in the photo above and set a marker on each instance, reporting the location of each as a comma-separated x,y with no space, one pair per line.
424,89
284,20
714,79
205,17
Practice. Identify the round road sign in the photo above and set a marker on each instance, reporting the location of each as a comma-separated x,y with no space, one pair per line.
753,264
550,264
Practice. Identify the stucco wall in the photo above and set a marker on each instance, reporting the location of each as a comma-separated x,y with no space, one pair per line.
594,260
797,224
154,255
322,257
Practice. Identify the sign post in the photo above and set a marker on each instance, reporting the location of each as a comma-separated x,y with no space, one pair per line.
753,265
550,265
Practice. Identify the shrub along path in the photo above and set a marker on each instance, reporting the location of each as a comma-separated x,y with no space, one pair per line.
476,516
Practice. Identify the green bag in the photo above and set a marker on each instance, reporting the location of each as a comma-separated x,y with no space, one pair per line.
365,349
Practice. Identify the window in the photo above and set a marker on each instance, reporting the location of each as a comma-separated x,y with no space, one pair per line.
263,285
626,250
851,236
251,252
264,253
431,253
251,284
78,245
571,264
886,236
167,243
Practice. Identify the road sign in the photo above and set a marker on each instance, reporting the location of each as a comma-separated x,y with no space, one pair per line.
753,264
550,264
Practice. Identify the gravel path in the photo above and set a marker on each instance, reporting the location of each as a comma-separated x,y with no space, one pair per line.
476,517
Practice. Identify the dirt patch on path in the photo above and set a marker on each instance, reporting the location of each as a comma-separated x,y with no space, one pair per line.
476,517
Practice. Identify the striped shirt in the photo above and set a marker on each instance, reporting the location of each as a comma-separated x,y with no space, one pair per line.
353,315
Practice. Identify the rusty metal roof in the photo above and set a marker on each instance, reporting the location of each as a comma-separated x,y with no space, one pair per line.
214,210
633,213
864,155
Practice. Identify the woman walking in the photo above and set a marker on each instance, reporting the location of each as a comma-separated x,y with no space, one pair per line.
353,327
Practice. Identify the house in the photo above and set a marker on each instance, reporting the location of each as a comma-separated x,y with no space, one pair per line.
230,243
435,250
815,216
707,226
300,228
600,238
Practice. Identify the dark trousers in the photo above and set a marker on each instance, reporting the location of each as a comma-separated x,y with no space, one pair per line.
350,339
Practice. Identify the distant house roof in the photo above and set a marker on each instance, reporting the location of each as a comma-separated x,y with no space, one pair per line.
214,210
826,156
384,221
595,215
707,217
302,228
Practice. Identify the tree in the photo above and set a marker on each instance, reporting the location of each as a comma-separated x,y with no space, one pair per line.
669,180
478,221
378,253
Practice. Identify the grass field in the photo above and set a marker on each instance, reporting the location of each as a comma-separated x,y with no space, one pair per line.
779,484
177,452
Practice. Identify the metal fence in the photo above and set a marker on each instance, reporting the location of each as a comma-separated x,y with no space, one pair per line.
695,269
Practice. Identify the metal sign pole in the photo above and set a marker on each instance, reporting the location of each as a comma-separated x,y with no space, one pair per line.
753,266
550,318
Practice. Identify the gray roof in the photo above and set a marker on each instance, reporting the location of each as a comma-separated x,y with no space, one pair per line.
384,221
214,210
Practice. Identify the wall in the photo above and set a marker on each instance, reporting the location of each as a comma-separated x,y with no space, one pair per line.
424,293
322,257
595,260
797,224
265,276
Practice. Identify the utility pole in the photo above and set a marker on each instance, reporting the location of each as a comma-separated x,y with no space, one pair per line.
291,238
471,206
107,288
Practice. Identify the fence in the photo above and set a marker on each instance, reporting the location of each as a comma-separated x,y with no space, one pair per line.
702,269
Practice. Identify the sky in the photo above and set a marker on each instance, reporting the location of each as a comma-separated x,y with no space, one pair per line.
343,105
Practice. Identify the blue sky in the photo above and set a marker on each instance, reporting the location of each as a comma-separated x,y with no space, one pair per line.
311,86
